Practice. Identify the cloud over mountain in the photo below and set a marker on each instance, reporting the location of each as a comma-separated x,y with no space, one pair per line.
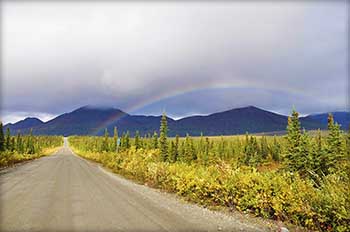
144,57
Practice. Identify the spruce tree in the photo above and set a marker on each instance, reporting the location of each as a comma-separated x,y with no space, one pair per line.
300,155
251,150
264,147
171,152
335,151
176,148
221,148
149,141
304,156
105,141
319,156
276,149
293,141
30,143
122,141
294,134
13,144
190,152
19,143
187,149
137,140
8,139
334,137
127,140
348,143
155,140
163,144
201,146
247,149
182,151
115,139
206,150
193,153
2,138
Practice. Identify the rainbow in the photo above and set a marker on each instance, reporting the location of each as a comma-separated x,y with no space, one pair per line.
186,90
149,101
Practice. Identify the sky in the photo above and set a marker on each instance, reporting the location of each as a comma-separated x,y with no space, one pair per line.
183,58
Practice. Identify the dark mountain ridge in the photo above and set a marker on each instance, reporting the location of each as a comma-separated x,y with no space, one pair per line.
341,117
25,124
89,120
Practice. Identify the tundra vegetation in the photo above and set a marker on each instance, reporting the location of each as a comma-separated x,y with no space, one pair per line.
301,178
18,148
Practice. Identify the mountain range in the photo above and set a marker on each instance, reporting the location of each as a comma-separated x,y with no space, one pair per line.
89,120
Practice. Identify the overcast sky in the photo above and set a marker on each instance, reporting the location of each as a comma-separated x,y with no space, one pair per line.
184,58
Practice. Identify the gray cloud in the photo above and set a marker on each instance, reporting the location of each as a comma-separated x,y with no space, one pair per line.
142,57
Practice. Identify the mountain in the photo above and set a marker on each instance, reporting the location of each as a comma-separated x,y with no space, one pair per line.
342,118
25,124
239,121
89,120
82,121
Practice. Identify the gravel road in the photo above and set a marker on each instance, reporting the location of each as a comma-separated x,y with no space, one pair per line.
64,192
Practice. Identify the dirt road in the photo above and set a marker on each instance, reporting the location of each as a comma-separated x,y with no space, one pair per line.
64,192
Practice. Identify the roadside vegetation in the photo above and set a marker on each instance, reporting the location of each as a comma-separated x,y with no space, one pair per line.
19,148
297,178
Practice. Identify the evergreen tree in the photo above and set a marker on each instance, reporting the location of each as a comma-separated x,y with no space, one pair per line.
348,144
105,141
300,154
189,151
137,140
163,144
276,149
30,143
206,150
122,141
334,138
193,152
201,146
171,152
176,148
115,139
19,143
127,140
182,151
304,156
293,141
294,134
247,149
13,144
335,151
251,150
319,145
319,155
221,148
8,139
155,140
2,138
149,144
264,147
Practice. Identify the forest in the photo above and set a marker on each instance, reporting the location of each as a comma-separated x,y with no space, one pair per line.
19,148
301,178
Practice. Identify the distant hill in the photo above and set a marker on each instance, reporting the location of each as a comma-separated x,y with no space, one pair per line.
342,118
24,124
89,120
239,121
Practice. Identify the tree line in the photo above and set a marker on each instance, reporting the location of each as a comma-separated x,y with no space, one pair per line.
302,177
25,144
298,151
